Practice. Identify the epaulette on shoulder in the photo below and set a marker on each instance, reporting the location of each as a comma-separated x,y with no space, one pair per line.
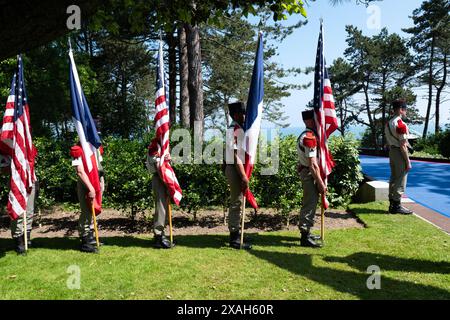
310,140
401,127
76,151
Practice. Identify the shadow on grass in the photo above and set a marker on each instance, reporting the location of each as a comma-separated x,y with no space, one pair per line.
361,260
369,211
74,243
220,241
191,241
353,283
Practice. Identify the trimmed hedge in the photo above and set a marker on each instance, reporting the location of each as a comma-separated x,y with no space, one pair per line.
128,184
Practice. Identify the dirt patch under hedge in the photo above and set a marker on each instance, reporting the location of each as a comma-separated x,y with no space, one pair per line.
60,223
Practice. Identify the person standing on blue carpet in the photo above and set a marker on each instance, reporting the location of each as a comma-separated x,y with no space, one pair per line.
397,132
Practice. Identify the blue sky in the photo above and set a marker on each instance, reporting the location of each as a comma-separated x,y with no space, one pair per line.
299,49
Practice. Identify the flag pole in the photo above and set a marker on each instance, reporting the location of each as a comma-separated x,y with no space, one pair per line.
25,234
169,205
243,222
322,221
94,217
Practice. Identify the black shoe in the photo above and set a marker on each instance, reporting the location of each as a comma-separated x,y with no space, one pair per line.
161,242
86,246
20,245
92,239
402,210
397,208
391,207
307,240
315,237
235,241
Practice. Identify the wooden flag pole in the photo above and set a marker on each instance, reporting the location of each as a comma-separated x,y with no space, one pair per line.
322,222
170,221
94,217
25,230
243,222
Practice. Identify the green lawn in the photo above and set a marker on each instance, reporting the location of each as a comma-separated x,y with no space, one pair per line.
414,258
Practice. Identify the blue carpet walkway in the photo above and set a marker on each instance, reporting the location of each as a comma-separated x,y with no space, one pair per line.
428,183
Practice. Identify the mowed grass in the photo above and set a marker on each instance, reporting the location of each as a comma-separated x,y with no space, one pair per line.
412,255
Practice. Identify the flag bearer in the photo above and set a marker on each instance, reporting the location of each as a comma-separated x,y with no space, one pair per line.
235,173
160,218
312,183
86,194
396,132
17,231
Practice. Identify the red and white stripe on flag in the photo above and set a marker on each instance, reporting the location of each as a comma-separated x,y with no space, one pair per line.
162,133
325,113
16,136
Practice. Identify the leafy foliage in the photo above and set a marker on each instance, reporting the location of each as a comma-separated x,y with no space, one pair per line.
429,144
444,144
128,183
345,178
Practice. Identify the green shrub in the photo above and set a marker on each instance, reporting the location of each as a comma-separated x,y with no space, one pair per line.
128,183
344,180
282,191
429,145
444,144
57,178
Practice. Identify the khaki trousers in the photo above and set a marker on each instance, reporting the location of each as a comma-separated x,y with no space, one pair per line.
17,225
160,218
236,198
85,220
397,182
310,198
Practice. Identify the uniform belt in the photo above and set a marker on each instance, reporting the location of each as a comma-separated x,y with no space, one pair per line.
392,146
301,167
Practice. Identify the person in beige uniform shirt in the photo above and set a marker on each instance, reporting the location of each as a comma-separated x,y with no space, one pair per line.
160,217
17,227
396,132
235,174
312,182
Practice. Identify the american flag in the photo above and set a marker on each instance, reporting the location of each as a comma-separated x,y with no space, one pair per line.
162,130
16,135
325,113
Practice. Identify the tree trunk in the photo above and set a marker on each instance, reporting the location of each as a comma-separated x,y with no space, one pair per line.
437,129
343,116
430,91
195,81
172,42
123,106
373,129
227,112
184,74
383,109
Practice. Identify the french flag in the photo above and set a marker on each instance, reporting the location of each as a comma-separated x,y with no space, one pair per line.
253,115
87,133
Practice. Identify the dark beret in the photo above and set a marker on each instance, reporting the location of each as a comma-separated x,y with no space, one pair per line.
308,115
399,103
236,107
